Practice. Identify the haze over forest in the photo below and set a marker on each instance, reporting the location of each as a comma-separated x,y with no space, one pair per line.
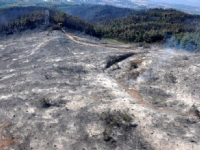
190,6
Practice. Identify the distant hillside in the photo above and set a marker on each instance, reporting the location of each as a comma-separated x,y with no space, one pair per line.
98,13
17,19
9,14
188,6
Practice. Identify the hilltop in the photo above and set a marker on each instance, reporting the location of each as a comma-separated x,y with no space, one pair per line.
96,13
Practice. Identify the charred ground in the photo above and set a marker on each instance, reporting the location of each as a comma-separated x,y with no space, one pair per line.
68,90
59,94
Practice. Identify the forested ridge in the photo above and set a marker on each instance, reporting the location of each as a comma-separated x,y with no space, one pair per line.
179,29
96,13
15,21
176,28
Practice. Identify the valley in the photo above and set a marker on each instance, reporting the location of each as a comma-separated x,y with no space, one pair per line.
67,90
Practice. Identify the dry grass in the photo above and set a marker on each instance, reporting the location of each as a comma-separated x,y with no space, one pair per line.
4,142
134,63
135,95
95,97
140,100
139,61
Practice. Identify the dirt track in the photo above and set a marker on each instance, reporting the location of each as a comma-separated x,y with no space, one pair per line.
54,90
132,92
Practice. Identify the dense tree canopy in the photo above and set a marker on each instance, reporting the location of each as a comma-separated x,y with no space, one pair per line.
155,25
148,26
13,20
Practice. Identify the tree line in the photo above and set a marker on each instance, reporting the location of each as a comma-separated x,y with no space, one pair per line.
146,26
16,21
179,29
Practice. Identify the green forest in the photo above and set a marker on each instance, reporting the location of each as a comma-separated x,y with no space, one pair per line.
34,17
177,29
155,25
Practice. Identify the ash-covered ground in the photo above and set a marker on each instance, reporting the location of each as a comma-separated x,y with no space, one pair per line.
71,92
